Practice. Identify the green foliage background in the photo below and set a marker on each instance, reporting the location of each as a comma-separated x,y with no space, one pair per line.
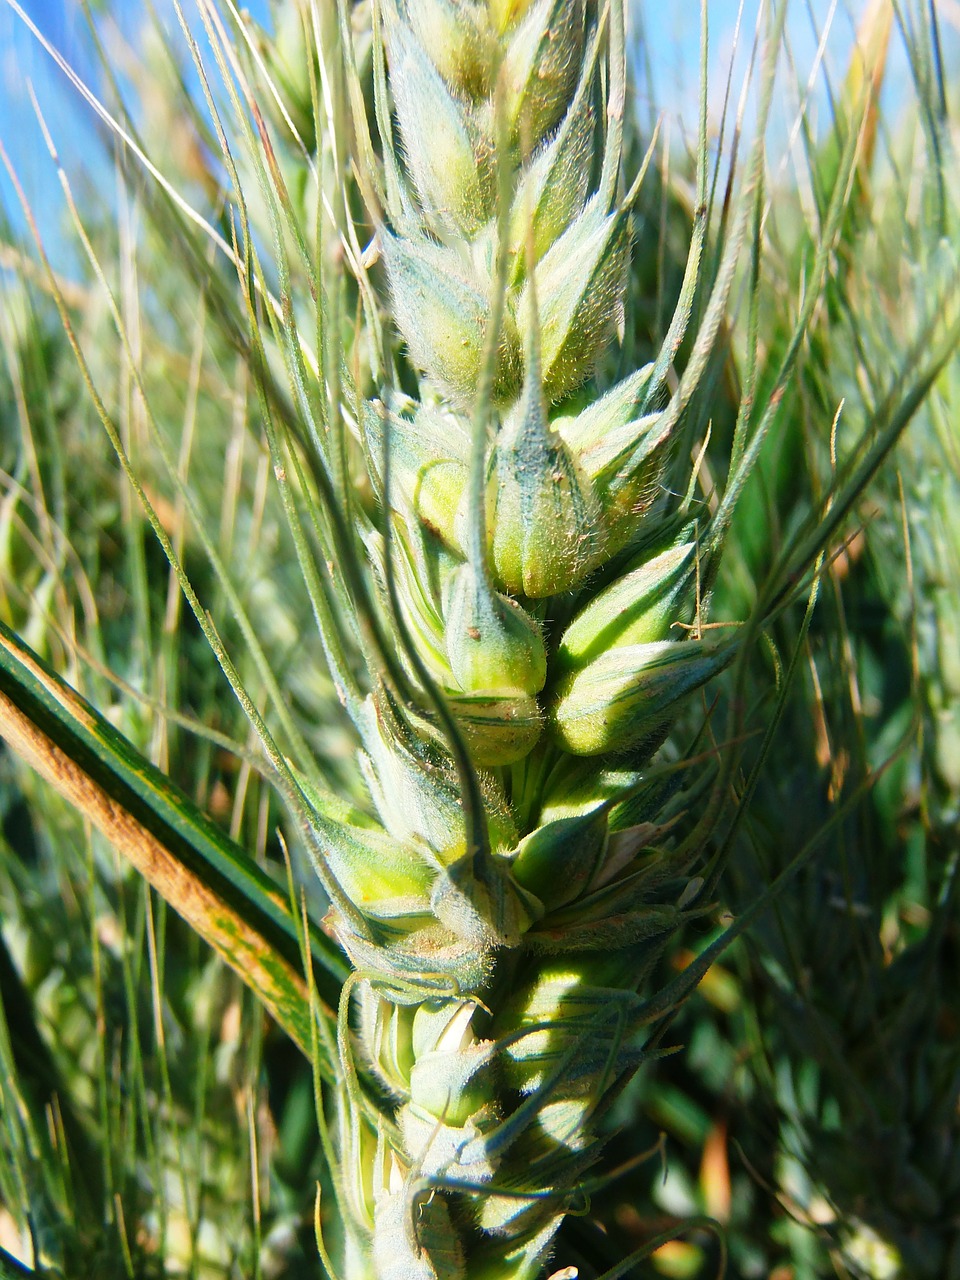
154,1121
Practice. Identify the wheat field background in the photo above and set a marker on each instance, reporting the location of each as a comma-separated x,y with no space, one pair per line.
479,694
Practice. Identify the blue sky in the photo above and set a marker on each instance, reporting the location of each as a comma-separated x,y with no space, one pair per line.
671,27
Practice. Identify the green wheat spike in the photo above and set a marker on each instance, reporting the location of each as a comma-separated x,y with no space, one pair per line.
509,487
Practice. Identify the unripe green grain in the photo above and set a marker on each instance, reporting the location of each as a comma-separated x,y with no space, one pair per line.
580,284
559,859
498,730
638,608
625,695
541,66
543,515
384,879
457,37
415,1240
493,644
451,161
553,189
442,309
